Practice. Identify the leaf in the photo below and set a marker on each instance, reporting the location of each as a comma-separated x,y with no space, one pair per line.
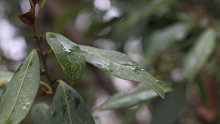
128,99
161,39
69,56
121,66
68,107
40,113
97,120
20,93
41,6
199,54
4,74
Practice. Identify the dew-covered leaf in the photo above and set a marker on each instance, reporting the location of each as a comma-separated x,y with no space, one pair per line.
68,107
199,54
69,56
121,66
128,99
40,113
20,93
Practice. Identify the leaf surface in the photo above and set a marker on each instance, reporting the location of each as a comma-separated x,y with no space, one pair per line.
121,66
128,99
20,93
69,108
69,56
40,113
199,54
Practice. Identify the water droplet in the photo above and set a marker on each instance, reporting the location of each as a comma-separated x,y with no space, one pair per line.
53,112
159,82
25,106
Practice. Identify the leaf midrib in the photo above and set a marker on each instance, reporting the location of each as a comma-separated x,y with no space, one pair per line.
21,85
67,103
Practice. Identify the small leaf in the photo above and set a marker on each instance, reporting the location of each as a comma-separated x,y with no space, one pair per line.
121,66
130,116
27,18
199,54
20,93
128,99
4,74
40,113
69,56
41,6
68,107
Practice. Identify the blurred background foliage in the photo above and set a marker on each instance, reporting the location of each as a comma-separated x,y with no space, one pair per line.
174,40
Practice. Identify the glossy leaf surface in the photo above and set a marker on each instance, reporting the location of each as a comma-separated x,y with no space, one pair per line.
199,54
20,93
40,113
69,56
126,99
69,108
121,66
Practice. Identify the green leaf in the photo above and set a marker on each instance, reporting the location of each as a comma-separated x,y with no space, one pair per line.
20,93
121,66
199,54
69,56
68,107
97,120
128,99
161,39
4,74
40,113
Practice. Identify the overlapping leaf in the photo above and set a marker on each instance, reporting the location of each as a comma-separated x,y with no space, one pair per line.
69,56
128,99
199,54
5,77
40,113
121,66
69,108
20,93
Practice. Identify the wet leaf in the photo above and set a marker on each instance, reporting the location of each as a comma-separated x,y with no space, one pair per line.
68,107
199,54
128,99
40,113
27,18
161,39
69,56
121,66
20,93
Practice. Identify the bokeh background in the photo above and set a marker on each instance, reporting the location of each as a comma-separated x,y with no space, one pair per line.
158,34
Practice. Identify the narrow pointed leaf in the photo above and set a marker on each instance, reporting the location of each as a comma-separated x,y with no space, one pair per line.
128,99
121,66
69,56
41,6
40,113
199,54
69,108
20,93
